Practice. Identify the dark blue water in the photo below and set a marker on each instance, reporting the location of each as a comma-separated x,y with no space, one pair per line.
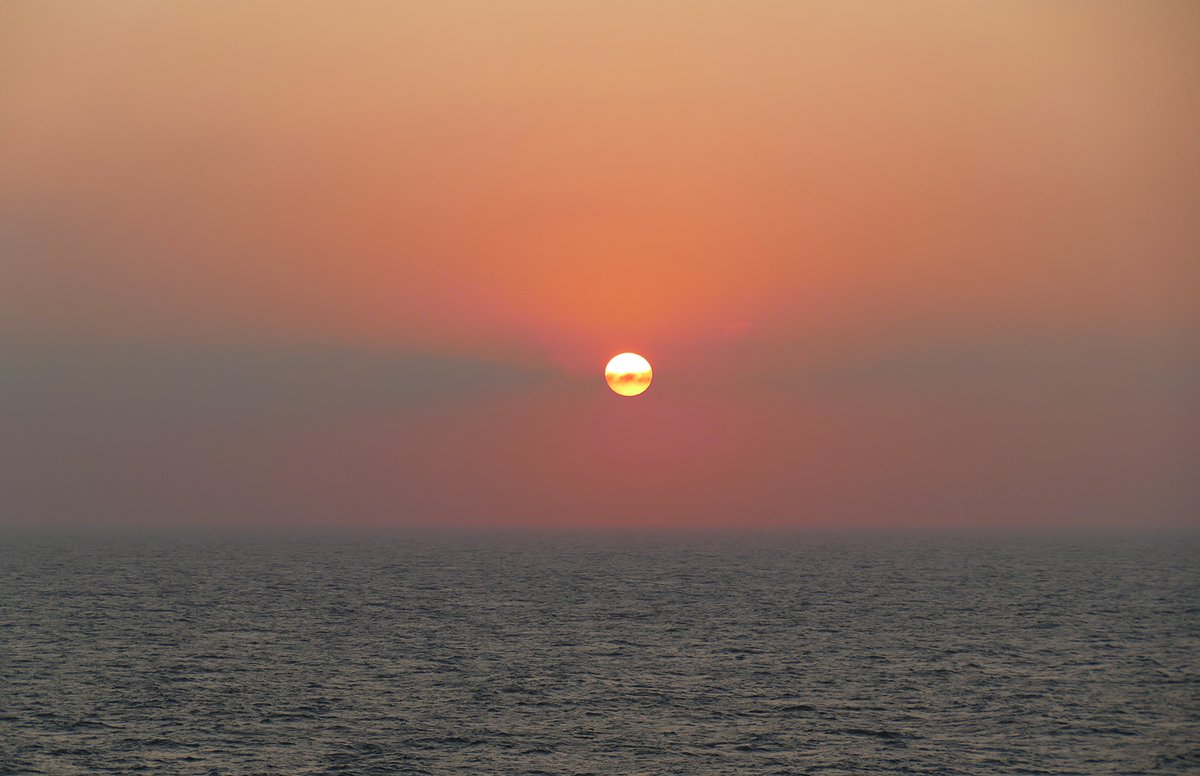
557,655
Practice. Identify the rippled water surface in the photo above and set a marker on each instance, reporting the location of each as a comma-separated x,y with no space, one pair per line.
555,655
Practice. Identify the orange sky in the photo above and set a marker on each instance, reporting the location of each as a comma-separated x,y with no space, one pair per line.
892,263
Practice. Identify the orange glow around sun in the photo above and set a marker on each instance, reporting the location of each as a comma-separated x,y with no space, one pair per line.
628,374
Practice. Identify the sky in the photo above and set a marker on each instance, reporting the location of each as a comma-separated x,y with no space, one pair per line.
894,264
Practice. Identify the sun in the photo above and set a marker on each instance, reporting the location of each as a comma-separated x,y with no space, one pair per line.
628,374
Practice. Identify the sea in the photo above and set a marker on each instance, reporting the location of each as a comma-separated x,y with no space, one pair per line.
558,653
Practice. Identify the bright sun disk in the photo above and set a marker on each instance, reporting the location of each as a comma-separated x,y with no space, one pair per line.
628,374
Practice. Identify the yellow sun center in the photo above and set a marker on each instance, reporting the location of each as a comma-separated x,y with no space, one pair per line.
628,374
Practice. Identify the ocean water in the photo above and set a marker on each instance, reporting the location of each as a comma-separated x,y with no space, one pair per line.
553,654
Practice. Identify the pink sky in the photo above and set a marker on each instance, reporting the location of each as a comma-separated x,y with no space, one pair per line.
894,264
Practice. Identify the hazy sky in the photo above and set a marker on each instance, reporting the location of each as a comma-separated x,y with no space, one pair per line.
893,263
